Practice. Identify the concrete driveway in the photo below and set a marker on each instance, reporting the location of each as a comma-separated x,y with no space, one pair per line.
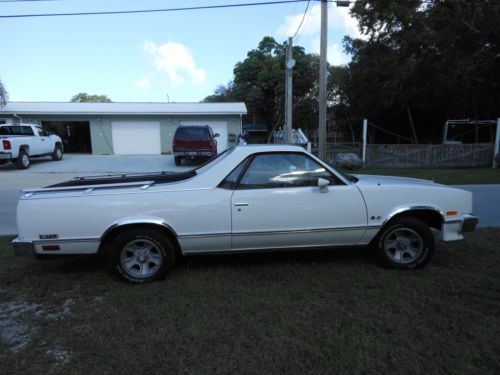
45,172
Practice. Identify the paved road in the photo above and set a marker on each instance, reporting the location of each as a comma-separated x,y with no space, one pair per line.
486,206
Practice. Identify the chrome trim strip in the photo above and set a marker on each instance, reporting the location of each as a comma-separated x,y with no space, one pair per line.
87,187
267,249
412,208
159,222
65,240
272,232
203,235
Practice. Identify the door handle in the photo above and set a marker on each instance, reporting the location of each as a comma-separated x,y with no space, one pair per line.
240,204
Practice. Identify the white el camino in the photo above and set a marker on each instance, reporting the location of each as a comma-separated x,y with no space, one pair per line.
249,198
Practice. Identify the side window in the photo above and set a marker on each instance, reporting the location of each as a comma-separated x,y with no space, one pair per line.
231,180
278,170
41,132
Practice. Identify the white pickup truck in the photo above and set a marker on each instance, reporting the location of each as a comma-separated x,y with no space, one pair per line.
21,142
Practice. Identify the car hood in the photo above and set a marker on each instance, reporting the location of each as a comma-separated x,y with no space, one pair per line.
364,179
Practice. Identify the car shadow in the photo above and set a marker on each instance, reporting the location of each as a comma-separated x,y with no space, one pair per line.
332,255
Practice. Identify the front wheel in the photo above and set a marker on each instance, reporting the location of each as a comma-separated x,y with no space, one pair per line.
142,255
406,243
58,153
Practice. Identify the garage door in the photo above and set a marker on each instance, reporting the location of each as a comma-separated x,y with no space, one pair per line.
217,127
136,137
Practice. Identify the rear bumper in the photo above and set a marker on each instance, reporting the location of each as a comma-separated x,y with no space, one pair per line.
469,223
5,155
23,248
194,154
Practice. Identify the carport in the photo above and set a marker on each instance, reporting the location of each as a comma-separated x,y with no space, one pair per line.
75,135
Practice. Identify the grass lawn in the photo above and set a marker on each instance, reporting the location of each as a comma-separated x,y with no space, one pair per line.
289,313
447,176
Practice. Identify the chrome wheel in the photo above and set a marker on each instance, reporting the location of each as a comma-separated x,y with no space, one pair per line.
58,153
141,258
403,245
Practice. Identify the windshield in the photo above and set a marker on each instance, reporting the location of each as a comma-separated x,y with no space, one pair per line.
216,159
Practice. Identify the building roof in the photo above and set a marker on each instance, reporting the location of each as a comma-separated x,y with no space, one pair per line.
121,108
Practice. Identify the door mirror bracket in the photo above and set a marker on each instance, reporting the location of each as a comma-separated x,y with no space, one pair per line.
323,185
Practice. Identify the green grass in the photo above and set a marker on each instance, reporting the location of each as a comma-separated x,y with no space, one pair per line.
448,176
289,313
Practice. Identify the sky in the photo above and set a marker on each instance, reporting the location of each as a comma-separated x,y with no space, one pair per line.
152,57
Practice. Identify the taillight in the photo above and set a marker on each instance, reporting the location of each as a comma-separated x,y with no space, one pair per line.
6,145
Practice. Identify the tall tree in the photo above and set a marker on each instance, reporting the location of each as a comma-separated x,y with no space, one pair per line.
259,81
424,62
83,97
4,95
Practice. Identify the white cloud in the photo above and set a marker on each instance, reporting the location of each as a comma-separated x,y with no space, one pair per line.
175,60
143,83
334,55
338,18
340,23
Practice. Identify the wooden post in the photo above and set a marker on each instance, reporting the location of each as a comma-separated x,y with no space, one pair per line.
496,146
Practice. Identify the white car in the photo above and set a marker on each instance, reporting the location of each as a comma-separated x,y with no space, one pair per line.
21,142
249,198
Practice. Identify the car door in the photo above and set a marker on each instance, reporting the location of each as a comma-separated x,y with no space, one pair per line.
277,203
44,141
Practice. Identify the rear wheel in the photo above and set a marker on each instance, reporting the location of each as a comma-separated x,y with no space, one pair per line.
142,255
177,160
58,153
23,160
406,243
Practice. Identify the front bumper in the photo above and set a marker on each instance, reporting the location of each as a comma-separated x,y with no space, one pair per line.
469,223
23,248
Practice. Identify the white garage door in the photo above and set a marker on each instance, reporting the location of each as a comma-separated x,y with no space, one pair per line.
217,127
136,137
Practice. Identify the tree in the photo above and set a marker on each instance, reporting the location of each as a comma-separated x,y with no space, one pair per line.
4,95
83,97
259,81
423,62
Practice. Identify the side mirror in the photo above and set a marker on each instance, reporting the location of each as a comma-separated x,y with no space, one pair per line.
323,185
216,135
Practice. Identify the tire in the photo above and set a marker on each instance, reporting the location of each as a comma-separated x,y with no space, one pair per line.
141,255
178,160
405,243
23,160
58,153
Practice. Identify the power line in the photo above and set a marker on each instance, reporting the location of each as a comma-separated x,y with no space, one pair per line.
151,10
302,21
23,1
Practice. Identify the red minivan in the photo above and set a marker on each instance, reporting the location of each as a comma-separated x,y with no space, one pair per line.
194,142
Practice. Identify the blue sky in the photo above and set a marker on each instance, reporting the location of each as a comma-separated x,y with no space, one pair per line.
181,56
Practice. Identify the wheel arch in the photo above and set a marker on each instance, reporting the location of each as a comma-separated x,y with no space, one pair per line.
24,148
432,216
119,227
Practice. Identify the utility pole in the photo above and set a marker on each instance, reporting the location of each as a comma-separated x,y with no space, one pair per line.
290,63
322,80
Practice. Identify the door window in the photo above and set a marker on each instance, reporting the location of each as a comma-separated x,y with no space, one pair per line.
41,132
278,170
